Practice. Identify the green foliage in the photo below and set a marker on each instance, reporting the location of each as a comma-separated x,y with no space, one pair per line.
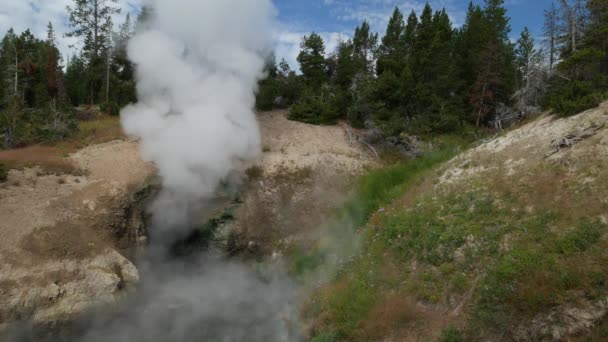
315,107
451,334
350,305
267,93
390,53
76,85
324,337
430,78
91,21
312,60
525,49
582,80
518,264
280,89
110,108
572,97
365,45
579,240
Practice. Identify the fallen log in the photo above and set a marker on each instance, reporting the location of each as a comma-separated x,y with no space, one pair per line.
572,139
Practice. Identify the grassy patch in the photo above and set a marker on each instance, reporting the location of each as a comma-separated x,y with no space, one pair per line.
346,309
380,187
52,158
507,253
451,334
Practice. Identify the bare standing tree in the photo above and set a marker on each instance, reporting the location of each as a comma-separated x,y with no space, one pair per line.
550,34
10,54
572,24
92,21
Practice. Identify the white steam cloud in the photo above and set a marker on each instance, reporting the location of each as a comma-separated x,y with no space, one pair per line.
198,63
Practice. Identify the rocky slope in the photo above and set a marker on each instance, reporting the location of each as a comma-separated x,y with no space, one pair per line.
69,240
66,239
304,173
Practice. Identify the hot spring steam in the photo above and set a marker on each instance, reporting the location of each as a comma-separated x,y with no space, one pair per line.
198,64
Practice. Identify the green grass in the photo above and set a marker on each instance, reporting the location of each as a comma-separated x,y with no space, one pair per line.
381,186
377,188
349,305
451,334
457,238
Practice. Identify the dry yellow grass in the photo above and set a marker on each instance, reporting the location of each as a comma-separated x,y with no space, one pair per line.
52,158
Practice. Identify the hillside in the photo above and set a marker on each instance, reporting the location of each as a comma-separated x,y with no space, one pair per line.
73,226
67,237
505,241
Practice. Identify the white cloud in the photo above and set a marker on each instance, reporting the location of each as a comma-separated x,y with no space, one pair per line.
36,14
378,12
287,45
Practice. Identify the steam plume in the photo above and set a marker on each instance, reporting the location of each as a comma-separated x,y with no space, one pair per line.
198,64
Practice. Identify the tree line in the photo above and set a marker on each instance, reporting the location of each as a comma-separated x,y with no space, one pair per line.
424,76
39,89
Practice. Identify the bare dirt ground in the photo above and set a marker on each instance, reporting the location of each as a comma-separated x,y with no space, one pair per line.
61,234
295,146
304,174
65,226
533,144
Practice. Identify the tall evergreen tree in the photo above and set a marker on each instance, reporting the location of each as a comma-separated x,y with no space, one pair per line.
365,46
9,59
495,73
550,34
596,37
52,61
390,51
410,33
91,20
312,60
524,53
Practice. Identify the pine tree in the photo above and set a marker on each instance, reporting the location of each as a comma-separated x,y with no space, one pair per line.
550,34
523,54
27,47
51,63
596,37
312,60
9,60
76,80
390,52
571,25
471,41
484,92
441,54
422,57
289,84
365,45
410,33
91,20
495,71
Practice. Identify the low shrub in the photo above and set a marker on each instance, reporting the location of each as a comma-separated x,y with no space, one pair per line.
110,108
572,97
451,334
315,107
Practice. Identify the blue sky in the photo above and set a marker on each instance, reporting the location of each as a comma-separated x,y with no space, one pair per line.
335,19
